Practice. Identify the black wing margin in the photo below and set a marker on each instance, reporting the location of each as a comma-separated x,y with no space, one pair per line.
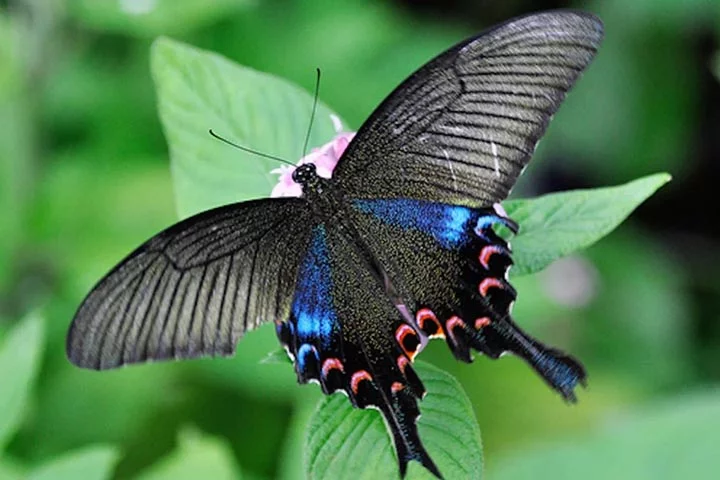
194,289
462,128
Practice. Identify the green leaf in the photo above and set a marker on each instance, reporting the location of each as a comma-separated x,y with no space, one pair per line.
342,439
197,91
292,455
150,17
675,440
277,356
92,463
9,470
197,456
16,145
555,225
19,362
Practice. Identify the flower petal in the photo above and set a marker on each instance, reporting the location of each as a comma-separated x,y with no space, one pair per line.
325,158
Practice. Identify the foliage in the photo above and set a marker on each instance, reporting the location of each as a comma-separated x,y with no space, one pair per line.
256,110
342,439
94,463
559,224
19,361
197,456
644,446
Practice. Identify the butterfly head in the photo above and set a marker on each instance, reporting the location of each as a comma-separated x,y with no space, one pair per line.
305,174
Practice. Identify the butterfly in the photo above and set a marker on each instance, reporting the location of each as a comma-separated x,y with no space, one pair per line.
361,270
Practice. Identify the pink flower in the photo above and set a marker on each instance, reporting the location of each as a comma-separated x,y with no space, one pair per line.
325,159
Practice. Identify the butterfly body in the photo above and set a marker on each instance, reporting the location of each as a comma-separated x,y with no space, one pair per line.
362,270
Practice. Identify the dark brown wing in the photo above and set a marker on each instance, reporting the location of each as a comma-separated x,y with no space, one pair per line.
462,128
195,288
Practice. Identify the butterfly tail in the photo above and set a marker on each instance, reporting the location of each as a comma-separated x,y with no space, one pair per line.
400,413
560,370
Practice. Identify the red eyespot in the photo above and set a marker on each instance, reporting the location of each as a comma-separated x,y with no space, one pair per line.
453,322
330,364
486,253
429,323
358,377
489,283
407,339
402,362
482,322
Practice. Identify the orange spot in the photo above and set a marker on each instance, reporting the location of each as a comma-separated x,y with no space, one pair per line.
482,322
358,377
396,387
487,284
426,314
402,362
403,331
330,364
487,252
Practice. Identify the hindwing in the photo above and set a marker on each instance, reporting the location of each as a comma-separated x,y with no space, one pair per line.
450,269
346,334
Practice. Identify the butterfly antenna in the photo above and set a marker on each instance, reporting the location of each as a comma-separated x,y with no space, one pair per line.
249,150
314,109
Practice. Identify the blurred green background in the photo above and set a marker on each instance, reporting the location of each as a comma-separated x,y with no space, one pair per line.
84,179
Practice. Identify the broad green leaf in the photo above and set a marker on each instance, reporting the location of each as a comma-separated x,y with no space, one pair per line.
19,361
277,356
558,224
150,17
16,169
112,407
93,463
674,441
342,439
9,470
248,373
292,455
197,91
197,456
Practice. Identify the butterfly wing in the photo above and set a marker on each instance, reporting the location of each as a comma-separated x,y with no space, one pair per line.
345,333
462,128
450,268
195,288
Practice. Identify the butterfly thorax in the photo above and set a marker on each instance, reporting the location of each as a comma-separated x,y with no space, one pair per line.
316,189
306,176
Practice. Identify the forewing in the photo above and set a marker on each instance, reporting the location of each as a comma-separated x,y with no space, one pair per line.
194,289
462,128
